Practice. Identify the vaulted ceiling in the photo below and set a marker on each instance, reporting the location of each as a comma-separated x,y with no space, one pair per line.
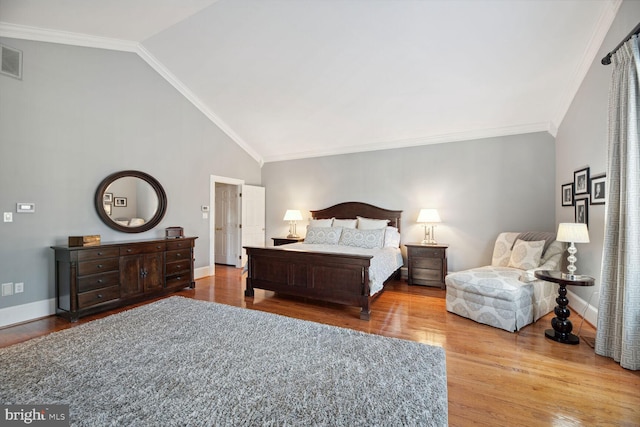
291,79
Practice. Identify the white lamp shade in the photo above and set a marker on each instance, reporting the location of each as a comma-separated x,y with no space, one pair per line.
572,232
292,215
428,215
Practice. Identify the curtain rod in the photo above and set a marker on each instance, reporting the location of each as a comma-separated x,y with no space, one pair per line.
607,59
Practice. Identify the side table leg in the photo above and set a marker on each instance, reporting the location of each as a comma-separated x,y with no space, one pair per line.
561,324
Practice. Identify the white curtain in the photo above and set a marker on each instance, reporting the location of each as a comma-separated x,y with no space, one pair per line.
618,333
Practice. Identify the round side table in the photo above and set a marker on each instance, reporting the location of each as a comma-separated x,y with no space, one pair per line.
561,324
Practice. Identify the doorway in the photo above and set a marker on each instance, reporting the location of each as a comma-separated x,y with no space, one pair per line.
238,217
227,221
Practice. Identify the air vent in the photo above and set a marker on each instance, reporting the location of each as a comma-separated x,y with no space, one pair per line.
11,62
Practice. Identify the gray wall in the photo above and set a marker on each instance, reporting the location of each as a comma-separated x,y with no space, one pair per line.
78,115
480,188
582,141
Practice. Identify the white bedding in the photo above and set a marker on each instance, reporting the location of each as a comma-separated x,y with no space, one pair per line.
384,262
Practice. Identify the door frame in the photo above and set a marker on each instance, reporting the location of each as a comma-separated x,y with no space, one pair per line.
213,179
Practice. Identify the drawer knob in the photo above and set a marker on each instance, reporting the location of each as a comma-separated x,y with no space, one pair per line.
99,295
128,250
99,266
99,280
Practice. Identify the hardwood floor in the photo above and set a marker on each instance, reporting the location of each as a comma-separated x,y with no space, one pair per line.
495,378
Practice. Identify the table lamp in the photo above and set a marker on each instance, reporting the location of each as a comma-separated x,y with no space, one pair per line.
429,217
572,232
292,216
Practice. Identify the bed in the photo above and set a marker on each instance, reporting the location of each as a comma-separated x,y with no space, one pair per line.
336,273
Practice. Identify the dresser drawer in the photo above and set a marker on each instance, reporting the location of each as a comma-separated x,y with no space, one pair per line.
98,296
177,267
179,244
178,255
98,281
431,263
427,252
142,249
98,254
179,282
86,268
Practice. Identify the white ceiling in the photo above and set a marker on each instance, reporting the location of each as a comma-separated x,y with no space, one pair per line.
300,78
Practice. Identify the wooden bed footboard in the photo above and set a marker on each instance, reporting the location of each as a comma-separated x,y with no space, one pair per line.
337,278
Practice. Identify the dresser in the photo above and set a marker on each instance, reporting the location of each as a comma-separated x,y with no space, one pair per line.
91,279
427,264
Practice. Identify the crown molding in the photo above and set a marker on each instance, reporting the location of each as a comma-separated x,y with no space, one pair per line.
591,52
414,142
62,37
197,102
84,40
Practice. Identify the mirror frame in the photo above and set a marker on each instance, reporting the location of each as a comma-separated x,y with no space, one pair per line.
155,220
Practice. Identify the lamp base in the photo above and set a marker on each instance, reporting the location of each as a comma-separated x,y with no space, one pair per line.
428,242
292,236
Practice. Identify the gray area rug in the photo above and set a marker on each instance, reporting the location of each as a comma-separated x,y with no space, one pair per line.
184,362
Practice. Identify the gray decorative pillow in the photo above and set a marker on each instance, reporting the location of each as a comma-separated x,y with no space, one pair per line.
323,235
368,239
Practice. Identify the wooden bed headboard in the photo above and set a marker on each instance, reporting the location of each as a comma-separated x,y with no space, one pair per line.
350,210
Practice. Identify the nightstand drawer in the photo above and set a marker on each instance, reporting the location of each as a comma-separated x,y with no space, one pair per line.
431,263
427,252
420,274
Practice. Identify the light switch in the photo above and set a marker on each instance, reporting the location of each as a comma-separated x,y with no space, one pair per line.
25,207
8,217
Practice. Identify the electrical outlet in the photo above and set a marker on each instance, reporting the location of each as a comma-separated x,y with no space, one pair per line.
8,217
7,289
18,287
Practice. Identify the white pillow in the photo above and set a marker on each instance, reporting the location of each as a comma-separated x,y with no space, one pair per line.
371,224
391,237
526,255
323,235
345,223
320,222
368,239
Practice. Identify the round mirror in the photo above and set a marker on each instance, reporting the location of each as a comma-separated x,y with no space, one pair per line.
131,201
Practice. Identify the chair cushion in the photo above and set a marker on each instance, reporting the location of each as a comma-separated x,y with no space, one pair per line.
526,255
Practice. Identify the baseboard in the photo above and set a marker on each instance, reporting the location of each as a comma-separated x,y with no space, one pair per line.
201,272
580,307
27,312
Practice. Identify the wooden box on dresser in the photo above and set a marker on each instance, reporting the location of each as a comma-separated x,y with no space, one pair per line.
91,279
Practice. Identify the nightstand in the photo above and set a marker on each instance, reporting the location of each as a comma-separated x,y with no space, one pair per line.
427,264
277,241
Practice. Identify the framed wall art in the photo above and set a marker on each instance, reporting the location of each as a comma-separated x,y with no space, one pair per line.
581,181
598,189
582,211
566,193
120,202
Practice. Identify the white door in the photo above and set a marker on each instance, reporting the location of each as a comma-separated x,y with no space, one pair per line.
227,224
253,218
